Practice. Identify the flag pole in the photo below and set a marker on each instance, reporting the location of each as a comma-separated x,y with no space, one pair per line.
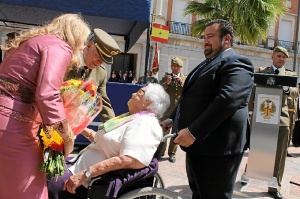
147,48
147,54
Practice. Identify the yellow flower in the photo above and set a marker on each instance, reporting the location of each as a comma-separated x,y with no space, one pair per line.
81,92
75,82
48,141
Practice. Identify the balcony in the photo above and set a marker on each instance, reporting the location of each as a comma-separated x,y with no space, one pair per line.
270,43
180,28
185,29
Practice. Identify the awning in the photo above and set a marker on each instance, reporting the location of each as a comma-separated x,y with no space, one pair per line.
127,18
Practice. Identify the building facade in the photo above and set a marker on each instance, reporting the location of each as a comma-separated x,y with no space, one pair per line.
190,49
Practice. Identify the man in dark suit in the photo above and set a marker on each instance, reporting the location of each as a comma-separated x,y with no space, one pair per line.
212,115
130,77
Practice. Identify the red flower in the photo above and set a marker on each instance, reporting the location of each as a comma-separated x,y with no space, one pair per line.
57,147
64,84
91,88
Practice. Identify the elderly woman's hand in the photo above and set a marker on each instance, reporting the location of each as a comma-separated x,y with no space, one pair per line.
88,134
75,181
166,125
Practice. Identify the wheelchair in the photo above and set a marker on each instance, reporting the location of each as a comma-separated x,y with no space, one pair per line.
145,183
148,187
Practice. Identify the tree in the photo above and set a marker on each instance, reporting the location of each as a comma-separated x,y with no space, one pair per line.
251,19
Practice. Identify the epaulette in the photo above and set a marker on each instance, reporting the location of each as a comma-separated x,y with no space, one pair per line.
261,68
289,70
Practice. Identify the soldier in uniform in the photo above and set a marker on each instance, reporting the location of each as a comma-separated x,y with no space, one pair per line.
100,48
172,83
292,108
279,58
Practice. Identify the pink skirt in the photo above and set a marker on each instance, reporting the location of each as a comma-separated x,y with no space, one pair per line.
20,160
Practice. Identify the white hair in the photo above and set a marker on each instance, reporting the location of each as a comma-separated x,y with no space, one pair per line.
159,97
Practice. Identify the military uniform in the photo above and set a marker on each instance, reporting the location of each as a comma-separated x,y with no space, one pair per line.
99,75
292,108
284,129
174,90
106,47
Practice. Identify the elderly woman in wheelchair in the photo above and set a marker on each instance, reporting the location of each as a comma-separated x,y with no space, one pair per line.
128,141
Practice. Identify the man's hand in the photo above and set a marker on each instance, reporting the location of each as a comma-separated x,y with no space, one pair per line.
185,138
286,89
169,79
166,125
178,80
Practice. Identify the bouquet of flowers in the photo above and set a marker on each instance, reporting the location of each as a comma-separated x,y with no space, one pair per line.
82,104
54,164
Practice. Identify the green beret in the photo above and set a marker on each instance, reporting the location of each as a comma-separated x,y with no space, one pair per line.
106,46
177,61
281,49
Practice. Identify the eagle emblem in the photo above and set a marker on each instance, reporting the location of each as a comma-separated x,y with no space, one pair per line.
267,109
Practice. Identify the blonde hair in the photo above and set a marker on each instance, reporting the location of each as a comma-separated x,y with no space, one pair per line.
70,28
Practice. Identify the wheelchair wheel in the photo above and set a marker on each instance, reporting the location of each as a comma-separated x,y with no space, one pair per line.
150,193
158,181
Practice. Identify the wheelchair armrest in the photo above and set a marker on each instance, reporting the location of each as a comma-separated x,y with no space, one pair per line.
72,160
171,135
95,179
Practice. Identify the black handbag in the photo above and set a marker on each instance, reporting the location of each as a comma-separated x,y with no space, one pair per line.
296,131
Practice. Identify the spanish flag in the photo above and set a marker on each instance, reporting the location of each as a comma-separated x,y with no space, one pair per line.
160,33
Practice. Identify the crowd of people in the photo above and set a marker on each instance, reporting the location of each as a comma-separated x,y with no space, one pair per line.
129,77
208,110
123,77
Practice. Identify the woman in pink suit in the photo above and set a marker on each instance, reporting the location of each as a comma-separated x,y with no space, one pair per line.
30,77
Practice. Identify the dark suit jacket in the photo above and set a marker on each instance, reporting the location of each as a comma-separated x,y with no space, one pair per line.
213,105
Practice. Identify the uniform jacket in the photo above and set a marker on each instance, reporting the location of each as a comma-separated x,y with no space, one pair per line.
140,80
213,105
174,90
284,116
98,74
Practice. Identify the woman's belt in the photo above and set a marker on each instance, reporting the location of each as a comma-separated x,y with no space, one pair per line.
15,114
26,94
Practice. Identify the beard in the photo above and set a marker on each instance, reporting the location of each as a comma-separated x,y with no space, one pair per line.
210,52
207,52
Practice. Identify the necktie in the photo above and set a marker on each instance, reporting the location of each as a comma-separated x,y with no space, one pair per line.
175,123
276,71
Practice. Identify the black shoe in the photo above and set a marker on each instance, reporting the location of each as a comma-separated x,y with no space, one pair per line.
160,157
288,154
244,183
276,194
172,159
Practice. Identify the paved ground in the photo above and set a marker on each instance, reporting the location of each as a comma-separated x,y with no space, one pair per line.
175,179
